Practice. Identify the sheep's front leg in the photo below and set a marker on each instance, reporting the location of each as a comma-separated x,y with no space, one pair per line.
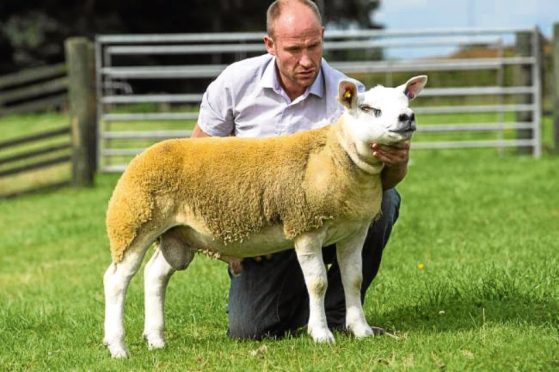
309,254
349,257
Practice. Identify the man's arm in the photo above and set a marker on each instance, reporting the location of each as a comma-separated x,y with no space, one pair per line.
396,159
199,133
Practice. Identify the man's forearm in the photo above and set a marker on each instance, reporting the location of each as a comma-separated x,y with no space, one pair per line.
393,175
199,133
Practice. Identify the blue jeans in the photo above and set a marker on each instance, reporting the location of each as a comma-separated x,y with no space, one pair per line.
269,298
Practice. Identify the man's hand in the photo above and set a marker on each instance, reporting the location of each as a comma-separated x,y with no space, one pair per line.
395,159
393,155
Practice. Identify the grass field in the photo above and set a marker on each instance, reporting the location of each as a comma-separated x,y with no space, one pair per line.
469,281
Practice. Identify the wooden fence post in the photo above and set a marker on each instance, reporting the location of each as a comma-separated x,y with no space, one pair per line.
523,78
555,87
80,60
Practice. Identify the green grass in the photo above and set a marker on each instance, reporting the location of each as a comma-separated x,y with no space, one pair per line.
484,226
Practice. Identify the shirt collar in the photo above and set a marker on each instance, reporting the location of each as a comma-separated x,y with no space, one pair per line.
317,87
270,80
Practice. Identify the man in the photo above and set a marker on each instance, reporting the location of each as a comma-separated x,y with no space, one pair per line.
290,89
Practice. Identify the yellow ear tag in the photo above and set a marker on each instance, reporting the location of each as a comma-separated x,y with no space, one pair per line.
347,95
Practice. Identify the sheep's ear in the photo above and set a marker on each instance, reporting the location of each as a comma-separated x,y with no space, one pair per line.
413,86
347,93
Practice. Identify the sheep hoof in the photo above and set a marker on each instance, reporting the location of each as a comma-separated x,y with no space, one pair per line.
322,335
117,350
361,331
154,341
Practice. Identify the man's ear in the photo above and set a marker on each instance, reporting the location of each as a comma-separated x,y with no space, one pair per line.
413,86
347,93
269,44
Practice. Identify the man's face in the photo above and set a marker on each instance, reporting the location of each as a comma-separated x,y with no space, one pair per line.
297,45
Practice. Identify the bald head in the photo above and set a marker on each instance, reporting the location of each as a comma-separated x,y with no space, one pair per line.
281,9
294,38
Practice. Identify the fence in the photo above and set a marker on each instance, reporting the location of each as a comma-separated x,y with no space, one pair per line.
27,162
501,110
33,89
41,160
555,85
63,155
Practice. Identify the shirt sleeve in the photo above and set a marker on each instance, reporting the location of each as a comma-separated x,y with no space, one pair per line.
216,110
361,87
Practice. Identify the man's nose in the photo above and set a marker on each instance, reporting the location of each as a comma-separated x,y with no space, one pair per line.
305,60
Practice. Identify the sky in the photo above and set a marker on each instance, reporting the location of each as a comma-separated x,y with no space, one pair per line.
410,14
446,14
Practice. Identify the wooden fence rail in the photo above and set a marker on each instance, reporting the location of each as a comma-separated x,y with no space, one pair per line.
40,151
34,89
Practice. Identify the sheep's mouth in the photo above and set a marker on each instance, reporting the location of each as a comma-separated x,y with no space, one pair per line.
402,130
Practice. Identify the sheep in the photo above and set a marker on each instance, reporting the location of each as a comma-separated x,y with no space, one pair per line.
244,197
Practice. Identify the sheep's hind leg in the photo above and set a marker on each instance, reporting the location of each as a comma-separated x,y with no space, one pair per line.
309,254
115,281
349,258
172,254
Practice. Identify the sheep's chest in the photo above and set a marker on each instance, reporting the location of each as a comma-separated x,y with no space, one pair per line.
350,199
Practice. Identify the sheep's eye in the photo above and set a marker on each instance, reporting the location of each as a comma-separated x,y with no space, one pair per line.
375,111
365,108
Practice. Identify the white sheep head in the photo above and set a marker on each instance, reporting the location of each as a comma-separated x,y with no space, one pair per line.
380,115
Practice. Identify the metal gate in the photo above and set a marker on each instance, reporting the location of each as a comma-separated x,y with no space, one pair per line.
484,90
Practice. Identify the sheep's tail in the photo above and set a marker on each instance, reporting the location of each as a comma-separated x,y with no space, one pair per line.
129,209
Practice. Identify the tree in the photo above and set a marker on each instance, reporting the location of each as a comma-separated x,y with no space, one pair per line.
344,14
32,33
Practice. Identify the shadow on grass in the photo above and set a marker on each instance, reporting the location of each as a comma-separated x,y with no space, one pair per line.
453,310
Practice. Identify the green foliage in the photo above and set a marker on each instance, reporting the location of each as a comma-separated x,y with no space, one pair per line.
33,33
468,281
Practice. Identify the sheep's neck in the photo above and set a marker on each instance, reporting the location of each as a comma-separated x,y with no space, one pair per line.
368,165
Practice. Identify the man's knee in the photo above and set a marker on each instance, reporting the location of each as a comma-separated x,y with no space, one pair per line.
250,315
253,325
243,328
264,296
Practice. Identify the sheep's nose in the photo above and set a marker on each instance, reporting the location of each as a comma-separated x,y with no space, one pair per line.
408,121
405,118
